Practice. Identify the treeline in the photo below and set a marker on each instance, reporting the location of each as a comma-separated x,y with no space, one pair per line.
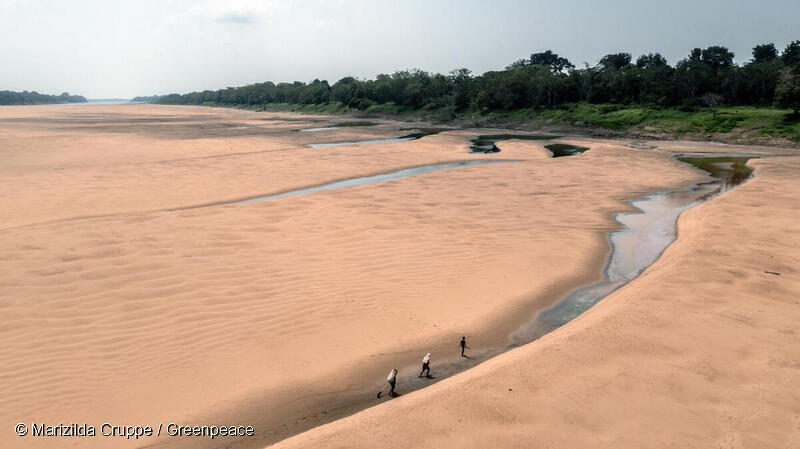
545,80
8,97
146,99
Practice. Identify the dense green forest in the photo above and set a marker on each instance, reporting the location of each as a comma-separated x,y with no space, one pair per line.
705,92
705,77
8,97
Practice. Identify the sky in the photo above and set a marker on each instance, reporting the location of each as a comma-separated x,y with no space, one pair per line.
121,49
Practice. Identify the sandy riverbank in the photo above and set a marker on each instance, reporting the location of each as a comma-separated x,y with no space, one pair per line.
268,313
702,350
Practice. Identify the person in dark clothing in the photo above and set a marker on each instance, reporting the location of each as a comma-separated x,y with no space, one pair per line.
463,345
426,365
391,381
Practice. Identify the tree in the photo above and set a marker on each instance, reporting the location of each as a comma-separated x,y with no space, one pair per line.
617,79
518,63
615,61
759,77
316,92
462,82
651,60
764,53
712,101
346,90
694,77
791,55
717,57
548,58
656,79
787,94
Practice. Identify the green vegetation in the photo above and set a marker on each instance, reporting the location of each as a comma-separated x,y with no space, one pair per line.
146,99
787,93
8,97
704,93
312,108
744,120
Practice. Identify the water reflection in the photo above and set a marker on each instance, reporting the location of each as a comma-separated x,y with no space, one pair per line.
642,240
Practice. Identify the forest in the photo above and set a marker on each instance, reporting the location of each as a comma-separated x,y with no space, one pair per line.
8,97
706,77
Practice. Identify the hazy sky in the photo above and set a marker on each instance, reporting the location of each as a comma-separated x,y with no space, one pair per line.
108,48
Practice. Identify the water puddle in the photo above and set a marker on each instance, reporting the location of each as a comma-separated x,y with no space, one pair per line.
374,179
414,136
486,143
311,130
359,142
730,170
563,149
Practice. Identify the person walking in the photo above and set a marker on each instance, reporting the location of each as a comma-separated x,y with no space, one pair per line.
463,345
391,381
426,365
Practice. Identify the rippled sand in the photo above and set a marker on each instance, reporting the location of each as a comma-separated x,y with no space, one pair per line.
702,350
117,307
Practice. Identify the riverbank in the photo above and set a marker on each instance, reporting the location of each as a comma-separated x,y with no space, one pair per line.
700,351
739,125
275,313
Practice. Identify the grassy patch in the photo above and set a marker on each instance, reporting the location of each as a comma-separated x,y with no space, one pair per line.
766,122
603,116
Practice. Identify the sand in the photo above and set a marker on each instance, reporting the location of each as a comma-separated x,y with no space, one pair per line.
278,314
702,350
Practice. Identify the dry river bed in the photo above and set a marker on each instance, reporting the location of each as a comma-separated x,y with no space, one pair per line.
126,303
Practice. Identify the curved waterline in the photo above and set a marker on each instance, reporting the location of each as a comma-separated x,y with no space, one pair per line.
414,136
351,401
332,185
374,178
644,237
633,248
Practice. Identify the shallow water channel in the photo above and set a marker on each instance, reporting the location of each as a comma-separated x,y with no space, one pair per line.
375,178
414,136
644,236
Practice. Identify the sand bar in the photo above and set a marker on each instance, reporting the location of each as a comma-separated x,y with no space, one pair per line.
123,309
702,350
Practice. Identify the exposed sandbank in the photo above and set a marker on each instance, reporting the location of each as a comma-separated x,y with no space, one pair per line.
269,311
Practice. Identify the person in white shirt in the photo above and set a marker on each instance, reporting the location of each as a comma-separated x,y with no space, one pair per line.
391,381
426,365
